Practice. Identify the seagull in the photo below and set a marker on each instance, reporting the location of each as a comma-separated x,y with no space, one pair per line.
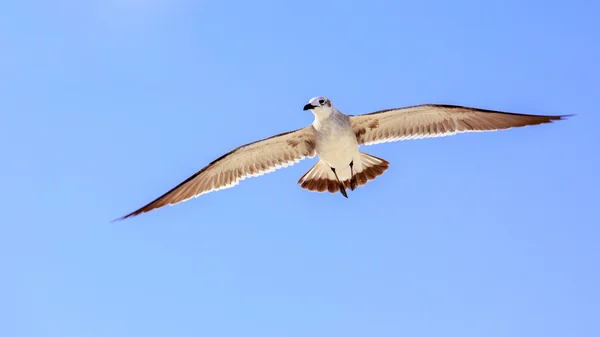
335,138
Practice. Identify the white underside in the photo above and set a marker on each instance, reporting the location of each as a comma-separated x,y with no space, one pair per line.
336,145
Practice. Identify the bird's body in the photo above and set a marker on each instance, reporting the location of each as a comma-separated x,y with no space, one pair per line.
335,143
335,139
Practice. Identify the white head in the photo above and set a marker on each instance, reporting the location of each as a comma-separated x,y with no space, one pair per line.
320,106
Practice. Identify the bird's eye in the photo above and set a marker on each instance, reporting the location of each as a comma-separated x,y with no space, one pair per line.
321,101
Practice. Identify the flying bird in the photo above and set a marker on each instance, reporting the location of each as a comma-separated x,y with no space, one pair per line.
335,138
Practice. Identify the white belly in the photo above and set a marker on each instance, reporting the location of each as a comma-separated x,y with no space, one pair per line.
339,151
336,145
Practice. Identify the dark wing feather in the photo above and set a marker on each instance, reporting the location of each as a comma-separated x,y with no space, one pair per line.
436,120
249,160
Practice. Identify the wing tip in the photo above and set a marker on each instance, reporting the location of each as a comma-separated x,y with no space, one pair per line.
118,219
149,207
555,118
564,117
132,214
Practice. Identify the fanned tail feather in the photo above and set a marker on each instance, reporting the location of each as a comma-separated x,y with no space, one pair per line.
320,178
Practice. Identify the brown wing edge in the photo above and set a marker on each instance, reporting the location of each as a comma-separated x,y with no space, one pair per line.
461,107
535,119
156,203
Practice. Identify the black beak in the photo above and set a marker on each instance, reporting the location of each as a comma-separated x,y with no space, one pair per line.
309,106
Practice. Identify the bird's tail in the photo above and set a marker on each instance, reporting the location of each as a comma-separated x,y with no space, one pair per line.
320,178
371,167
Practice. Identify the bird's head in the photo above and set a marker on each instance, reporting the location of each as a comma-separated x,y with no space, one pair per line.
320,106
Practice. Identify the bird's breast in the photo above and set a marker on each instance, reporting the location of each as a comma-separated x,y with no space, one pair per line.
336,145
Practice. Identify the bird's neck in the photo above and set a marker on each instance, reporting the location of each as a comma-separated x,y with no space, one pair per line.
326,117
322,115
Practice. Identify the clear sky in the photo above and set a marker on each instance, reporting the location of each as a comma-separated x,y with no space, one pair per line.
105,105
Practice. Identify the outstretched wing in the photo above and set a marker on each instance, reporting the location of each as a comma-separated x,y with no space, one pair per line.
435,120
249,160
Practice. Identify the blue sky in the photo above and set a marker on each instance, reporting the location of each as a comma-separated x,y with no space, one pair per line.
105,105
